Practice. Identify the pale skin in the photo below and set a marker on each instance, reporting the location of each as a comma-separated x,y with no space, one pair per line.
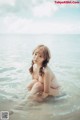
41,86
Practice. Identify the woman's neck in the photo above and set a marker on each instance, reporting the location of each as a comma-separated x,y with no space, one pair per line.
39,66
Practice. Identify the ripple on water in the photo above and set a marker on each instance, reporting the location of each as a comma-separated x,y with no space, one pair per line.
6,69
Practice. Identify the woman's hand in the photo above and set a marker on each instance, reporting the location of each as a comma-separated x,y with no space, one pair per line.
44,95
39,94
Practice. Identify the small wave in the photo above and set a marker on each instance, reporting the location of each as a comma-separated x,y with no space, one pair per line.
6,69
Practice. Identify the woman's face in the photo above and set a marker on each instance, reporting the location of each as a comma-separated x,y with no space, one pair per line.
38,57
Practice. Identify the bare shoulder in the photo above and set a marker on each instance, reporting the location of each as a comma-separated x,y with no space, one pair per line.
34,66
49,72
46,70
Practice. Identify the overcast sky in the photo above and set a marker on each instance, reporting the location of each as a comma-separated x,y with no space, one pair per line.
39,16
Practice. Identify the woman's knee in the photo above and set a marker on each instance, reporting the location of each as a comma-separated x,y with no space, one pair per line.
38,85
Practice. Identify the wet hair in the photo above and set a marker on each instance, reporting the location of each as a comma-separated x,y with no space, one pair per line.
44,51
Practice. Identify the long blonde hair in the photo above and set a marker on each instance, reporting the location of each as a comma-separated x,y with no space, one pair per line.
46,55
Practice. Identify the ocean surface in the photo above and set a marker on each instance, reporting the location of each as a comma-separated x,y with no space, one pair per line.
15,60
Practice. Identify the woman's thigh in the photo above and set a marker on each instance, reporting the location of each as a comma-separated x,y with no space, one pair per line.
37,87
30,85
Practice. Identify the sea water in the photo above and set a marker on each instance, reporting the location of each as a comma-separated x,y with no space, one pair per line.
15,60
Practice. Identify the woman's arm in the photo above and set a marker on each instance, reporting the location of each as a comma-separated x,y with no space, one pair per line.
46,79
46,82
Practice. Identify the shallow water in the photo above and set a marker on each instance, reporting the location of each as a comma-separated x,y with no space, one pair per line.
15,59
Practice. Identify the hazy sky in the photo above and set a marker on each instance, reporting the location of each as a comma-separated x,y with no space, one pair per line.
39,16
